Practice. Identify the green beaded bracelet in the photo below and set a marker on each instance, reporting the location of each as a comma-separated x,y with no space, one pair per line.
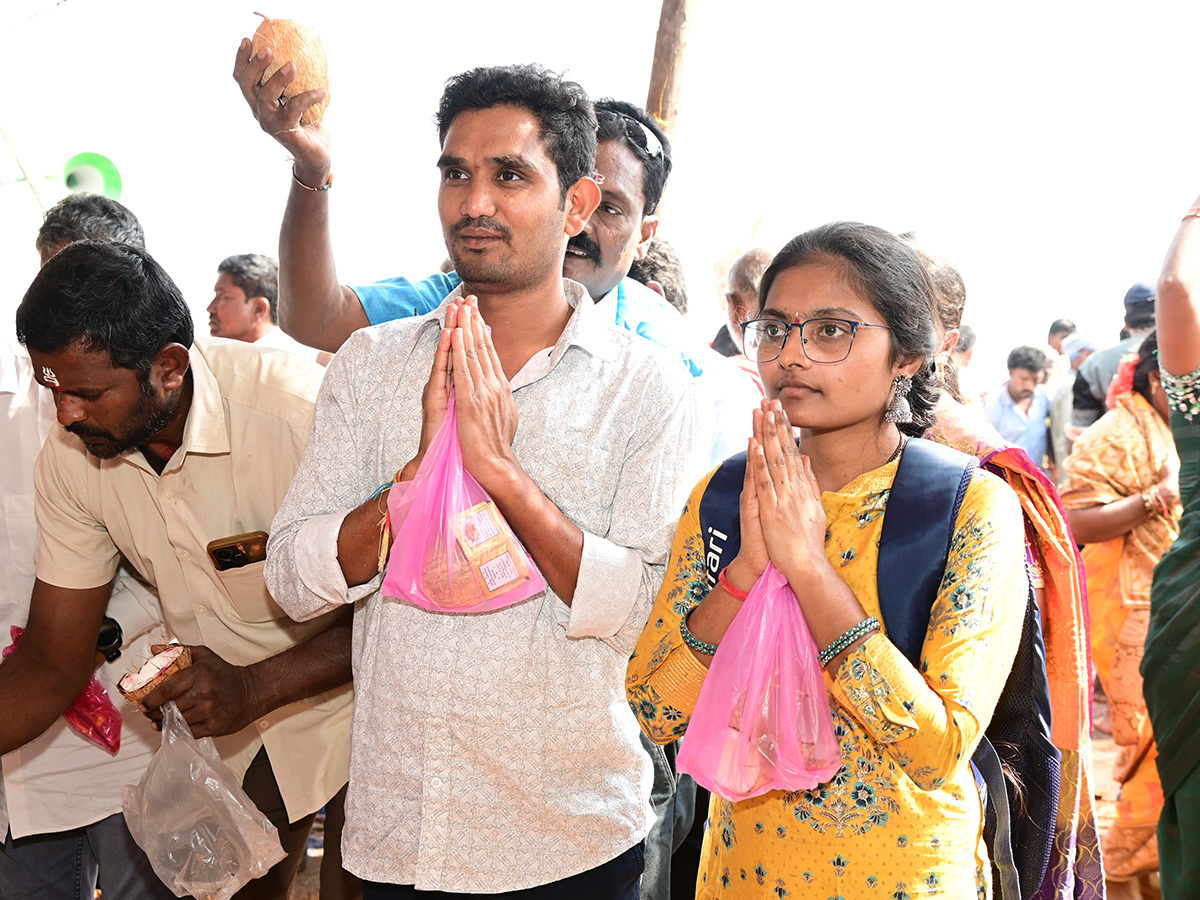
694,642
848,637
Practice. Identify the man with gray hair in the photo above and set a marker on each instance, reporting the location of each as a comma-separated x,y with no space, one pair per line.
741,298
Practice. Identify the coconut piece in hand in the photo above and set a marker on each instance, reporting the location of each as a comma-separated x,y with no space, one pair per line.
292,42
136,686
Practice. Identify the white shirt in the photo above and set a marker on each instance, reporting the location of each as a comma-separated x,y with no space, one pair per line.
496,752
244,435
278,339
59,780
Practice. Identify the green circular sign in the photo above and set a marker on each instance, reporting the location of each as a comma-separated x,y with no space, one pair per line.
92,173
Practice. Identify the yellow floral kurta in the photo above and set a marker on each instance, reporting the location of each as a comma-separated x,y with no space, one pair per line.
901,818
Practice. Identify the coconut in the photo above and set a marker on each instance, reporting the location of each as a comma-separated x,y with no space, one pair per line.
136,686
291,41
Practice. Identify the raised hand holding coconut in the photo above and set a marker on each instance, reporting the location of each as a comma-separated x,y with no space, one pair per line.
284,77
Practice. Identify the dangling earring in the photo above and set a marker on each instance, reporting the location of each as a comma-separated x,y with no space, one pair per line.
898,412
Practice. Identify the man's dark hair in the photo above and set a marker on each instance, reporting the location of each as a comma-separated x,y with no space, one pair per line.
105,296
1030,358
88,217
661,264
966,339
562,107
257,275
645,138
1061,326
887,272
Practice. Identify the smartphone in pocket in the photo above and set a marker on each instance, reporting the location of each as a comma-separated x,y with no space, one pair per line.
238,550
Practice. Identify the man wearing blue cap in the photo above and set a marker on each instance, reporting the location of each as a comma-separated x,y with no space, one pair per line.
1091,384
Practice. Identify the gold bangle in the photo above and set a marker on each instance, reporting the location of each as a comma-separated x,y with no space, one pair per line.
1148,503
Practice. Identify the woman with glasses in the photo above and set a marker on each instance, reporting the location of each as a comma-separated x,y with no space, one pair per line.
844,341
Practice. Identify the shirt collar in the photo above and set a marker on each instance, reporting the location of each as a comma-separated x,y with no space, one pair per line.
587,328
204,431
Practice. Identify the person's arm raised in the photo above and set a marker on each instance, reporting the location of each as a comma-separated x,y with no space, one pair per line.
1178,303
314,307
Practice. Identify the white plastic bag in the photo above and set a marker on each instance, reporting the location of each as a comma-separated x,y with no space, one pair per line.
203,835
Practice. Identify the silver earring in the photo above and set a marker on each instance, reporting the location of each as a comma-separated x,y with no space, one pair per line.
898,412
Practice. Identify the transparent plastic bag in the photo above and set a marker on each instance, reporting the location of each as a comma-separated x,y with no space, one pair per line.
203,835
762,721
453,551
92,714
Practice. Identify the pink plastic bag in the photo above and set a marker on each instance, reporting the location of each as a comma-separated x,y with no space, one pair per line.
762,722
453,550
92,714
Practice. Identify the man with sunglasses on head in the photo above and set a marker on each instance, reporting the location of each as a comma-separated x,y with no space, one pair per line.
633,162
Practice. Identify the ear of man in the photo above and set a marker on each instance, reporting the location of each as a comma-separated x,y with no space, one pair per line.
582,199
170,366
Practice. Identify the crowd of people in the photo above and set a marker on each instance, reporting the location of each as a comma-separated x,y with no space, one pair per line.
530,751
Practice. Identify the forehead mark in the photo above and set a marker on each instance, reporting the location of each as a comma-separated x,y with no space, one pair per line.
48,376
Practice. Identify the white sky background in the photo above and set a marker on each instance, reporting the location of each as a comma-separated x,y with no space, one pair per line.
1047,149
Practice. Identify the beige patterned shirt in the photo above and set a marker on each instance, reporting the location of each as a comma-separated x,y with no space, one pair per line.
496,751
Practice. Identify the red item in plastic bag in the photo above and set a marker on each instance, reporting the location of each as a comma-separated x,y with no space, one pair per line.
92,714
762,721
453,550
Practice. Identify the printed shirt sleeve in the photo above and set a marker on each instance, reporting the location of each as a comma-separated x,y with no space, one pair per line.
931,720
399,298
620,573
302,571
663,679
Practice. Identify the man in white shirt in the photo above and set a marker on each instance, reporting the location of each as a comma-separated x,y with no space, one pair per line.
60,795
245,306
496,753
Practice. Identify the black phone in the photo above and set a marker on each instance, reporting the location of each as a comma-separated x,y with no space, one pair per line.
238,550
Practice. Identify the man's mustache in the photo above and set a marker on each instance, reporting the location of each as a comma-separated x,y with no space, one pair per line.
585,244
483,222
87,431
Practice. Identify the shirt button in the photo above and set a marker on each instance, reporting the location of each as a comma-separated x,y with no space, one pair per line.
184,554
436,782
264,723
201,610
168,496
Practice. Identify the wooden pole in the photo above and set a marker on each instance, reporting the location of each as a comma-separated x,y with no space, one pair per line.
666,74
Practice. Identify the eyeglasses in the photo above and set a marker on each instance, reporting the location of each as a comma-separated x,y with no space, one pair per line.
635,131
823,340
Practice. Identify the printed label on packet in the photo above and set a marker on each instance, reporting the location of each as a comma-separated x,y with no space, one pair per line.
478,525
499,572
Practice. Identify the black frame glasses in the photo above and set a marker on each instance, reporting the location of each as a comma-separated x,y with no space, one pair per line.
759,345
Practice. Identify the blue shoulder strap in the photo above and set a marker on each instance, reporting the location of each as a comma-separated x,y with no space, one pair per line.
918,526
719,511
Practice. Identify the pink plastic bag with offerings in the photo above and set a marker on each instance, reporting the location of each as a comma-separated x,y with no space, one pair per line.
762,722
92,714
453,550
